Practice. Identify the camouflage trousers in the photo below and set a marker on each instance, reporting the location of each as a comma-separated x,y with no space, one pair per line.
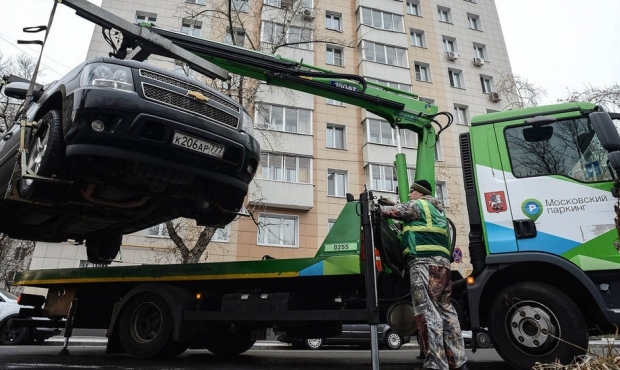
438,324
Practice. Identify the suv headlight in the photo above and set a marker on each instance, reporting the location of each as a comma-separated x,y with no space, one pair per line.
108,75
247,124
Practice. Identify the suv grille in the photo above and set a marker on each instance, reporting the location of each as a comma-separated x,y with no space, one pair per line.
188,104
187,86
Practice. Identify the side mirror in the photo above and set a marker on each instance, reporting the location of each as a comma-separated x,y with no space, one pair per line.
614,160
16,90
606,131
537,133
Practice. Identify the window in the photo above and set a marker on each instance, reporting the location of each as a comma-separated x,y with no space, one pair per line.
455,78
335,136
146,17
159,231
334,56
239,34
278,167
336,183
287,119
330,223
427,100
473,21
385,54
241,5
294,37
441,192
334,102
449,44
333,21
421,72
383,20
380,132
191,27
277,230
480,51
438,151
444,14
487,84
222,234
382,178
557,149
275,3
460,114
199,2
394,85
413,8
417,38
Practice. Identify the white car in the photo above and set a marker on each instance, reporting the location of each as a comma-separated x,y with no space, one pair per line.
9,308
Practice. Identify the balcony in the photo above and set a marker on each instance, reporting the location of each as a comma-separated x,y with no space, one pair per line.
386,154
284,142
290,195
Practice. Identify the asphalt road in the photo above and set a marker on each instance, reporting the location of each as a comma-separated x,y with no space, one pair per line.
94,357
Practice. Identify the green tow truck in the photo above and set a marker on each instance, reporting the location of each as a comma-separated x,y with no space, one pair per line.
540,183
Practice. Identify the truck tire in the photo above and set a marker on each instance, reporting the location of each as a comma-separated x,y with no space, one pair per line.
44,158
145,329
526,318
238,344
102,248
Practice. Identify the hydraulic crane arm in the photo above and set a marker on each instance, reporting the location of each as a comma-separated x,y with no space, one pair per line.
401,109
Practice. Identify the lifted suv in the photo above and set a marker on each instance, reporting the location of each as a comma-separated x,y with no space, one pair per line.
137,145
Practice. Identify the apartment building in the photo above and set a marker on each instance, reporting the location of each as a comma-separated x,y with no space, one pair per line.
315,150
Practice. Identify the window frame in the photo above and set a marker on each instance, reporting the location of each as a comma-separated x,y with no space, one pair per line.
414,4
456,75
385,52
449,44
282,167
407,136
162,232
259,108
383,177
197,2
461,114
334,51
225,231
486,82
332,16
417,68
473,22
383,15
307,45
441,10
146,15
228,38
332,128
244,5
262,224
345,177
445,199
334,102
480,51
392,84
421,35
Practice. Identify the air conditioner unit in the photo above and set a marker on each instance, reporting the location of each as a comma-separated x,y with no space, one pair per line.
494,97
478,62
452,55
309,14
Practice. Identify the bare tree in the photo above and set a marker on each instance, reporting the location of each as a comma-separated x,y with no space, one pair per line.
14,258
517,90
23,66
607,97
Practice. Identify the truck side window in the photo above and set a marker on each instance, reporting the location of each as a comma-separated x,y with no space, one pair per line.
569,148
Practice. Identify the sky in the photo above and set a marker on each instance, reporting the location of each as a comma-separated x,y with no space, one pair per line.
556,44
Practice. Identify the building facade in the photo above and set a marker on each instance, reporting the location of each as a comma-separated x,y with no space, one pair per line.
315,150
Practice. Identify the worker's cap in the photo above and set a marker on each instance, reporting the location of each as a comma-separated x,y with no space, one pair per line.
422,186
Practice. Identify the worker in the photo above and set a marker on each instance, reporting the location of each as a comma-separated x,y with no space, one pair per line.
426,248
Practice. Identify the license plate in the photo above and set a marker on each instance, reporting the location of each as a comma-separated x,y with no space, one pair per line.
198,145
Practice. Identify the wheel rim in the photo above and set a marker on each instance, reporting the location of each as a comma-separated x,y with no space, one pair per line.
12,335
146,322
37,152
314,343
533,328
393,340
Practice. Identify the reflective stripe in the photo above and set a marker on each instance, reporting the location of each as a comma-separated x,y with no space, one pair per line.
432,248
429,223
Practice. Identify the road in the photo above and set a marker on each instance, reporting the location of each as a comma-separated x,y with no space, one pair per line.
94,357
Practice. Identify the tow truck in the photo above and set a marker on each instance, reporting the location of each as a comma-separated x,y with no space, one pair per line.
542,197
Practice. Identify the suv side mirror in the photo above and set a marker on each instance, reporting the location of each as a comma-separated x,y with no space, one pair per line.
606,131
16,90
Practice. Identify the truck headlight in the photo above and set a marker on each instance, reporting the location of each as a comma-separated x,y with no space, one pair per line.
108,75
247,124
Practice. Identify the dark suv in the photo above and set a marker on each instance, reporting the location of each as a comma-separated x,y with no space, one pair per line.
134,146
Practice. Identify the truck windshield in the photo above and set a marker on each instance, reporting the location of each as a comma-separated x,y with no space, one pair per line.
565,147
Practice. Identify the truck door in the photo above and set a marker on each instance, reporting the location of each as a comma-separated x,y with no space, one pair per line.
558,190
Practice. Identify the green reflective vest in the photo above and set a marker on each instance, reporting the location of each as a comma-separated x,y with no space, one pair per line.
427,236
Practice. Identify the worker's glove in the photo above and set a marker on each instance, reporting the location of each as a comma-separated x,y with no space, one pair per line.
385,202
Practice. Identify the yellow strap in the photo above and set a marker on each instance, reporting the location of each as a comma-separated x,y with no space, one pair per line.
432,248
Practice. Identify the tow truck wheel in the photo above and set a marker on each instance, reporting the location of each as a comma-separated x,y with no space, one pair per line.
102,249
393,341
533,322
236,344
145,329
44,158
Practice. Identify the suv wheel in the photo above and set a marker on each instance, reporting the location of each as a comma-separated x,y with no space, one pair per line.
313,343
393,340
